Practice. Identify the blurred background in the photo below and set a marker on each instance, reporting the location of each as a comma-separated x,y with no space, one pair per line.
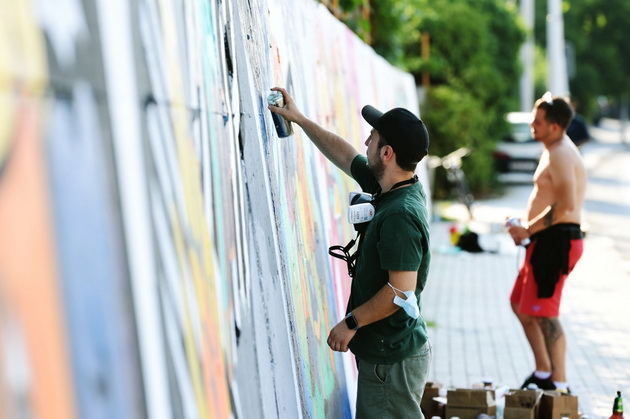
476,62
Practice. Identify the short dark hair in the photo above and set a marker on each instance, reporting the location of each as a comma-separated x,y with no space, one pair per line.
557,110
402,160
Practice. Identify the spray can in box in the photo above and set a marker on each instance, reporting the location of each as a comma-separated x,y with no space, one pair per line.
283,127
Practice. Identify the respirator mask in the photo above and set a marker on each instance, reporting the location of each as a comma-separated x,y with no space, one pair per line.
361,210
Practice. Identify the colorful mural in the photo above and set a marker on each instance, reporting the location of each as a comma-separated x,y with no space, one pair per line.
162,252
33,345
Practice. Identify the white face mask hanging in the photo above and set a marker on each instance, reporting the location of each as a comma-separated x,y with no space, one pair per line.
410,304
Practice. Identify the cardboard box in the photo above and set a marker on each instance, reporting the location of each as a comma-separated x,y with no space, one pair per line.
468,404
429,406
522,404
554,404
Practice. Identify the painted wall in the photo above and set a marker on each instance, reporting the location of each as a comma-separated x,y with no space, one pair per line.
162,252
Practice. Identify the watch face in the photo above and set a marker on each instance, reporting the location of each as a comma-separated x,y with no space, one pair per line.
351,322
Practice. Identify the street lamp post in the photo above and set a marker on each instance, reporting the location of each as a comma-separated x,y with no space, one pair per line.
527,57
558,82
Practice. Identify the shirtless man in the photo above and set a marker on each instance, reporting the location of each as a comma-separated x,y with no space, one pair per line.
553,226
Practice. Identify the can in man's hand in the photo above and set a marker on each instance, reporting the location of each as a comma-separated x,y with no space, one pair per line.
283,127
516,223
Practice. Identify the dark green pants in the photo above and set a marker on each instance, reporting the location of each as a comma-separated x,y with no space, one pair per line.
393,391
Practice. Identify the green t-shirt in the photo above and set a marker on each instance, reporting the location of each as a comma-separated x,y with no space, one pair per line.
397,239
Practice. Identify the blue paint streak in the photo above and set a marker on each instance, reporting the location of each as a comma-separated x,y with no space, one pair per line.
92,267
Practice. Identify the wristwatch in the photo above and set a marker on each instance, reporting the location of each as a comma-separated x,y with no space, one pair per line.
351,322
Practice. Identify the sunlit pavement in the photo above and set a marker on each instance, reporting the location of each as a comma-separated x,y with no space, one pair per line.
474,333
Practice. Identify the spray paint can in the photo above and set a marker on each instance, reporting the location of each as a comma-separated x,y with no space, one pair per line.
516,223
283,127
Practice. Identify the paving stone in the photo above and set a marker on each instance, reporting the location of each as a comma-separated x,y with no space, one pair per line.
476,335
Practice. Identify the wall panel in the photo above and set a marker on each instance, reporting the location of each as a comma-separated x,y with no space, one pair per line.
162,252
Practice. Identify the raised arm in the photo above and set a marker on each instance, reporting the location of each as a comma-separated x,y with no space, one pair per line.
335,148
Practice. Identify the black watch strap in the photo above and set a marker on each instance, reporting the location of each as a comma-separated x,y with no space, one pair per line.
351,322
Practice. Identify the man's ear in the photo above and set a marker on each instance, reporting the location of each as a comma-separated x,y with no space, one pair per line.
388,152
557,126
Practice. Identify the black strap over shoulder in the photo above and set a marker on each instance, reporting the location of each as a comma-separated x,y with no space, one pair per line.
343,253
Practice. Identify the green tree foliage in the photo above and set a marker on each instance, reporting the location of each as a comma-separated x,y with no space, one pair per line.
455,119
599,32
474,71
473,67
474,48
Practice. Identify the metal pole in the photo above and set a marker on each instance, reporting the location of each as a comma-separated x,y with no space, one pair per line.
623,118
558,82
527,57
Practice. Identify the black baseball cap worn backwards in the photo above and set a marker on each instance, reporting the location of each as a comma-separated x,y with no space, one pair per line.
402,130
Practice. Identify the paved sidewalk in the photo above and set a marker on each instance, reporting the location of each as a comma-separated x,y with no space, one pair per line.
475,334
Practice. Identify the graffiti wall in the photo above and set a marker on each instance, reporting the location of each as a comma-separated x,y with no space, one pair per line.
162,252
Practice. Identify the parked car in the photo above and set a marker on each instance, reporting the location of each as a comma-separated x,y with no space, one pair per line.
517,151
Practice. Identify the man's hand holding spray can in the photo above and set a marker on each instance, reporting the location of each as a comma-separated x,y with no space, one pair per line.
283,126
515,222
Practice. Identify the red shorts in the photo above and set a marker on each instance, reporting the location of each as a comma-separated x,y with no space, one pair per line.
525,291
